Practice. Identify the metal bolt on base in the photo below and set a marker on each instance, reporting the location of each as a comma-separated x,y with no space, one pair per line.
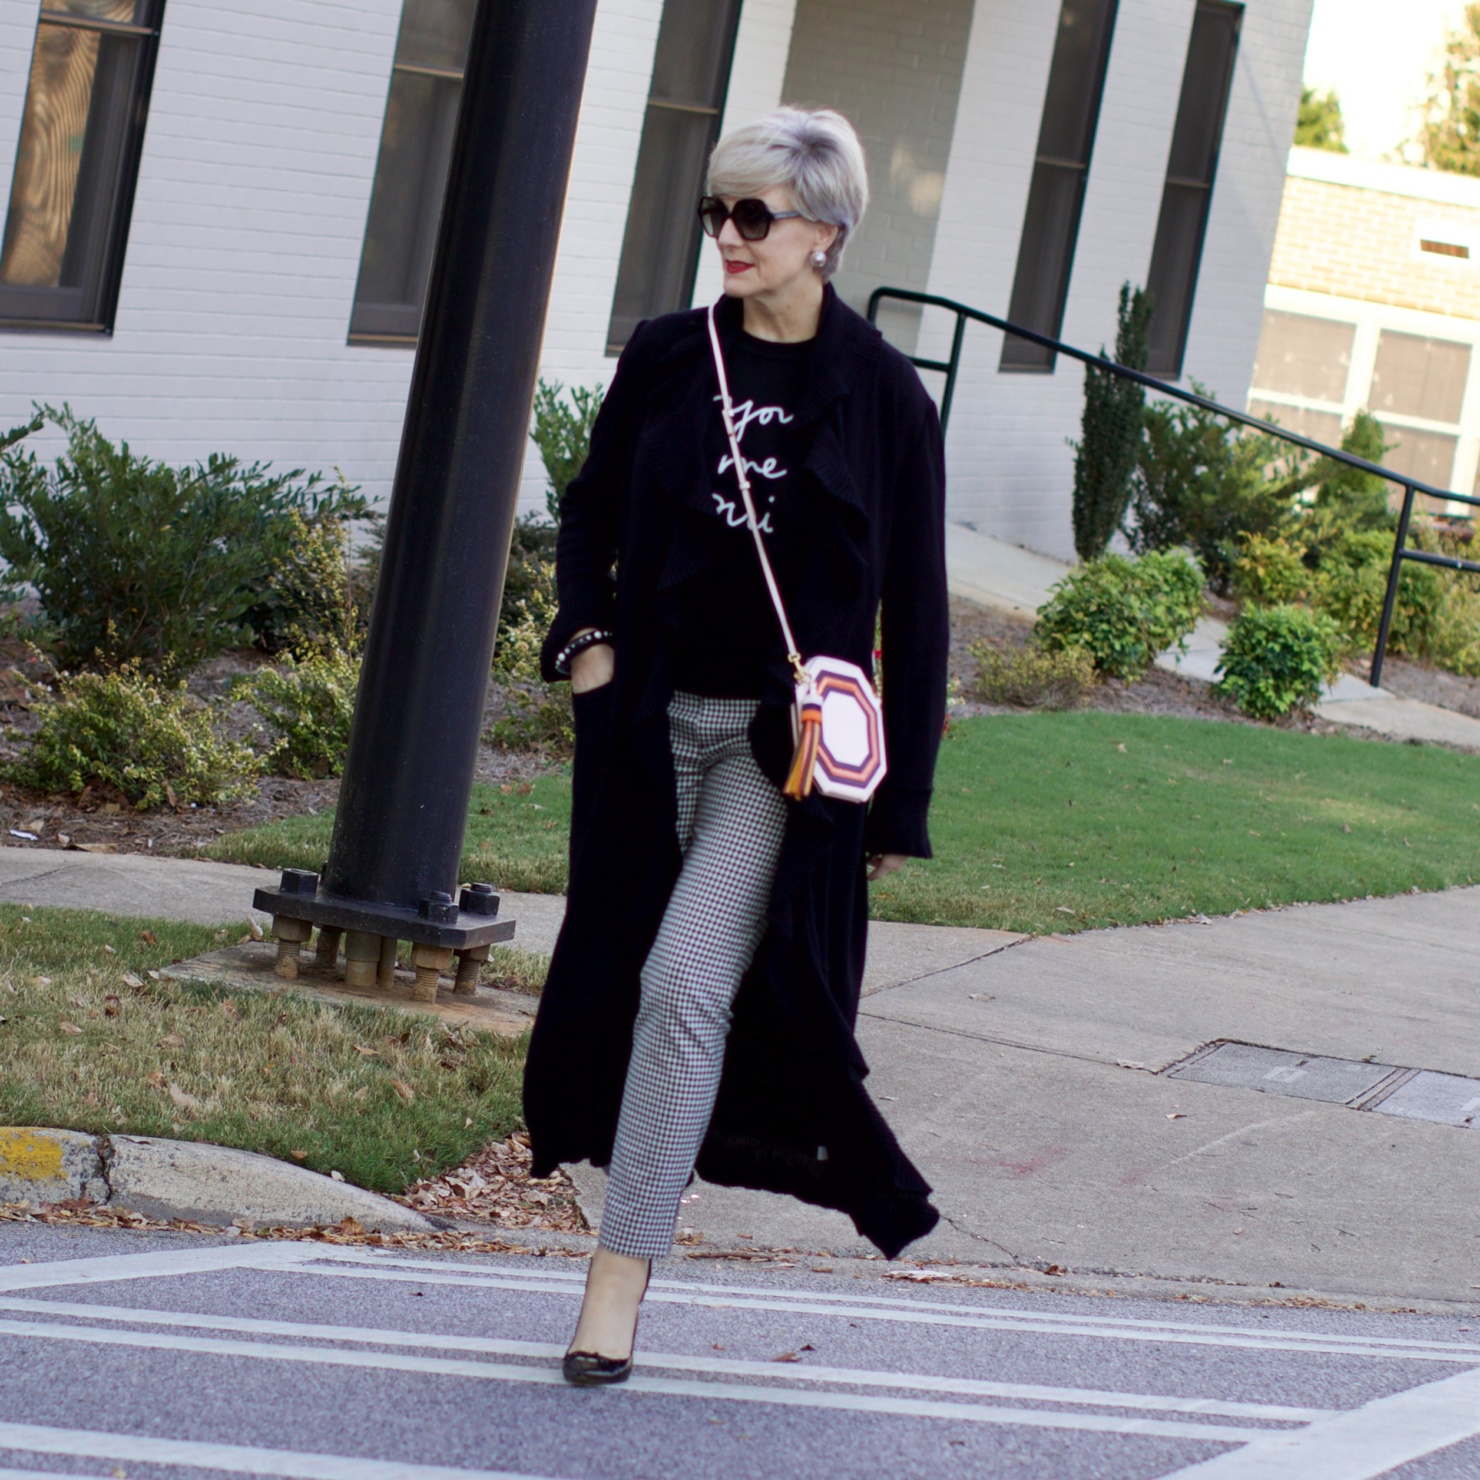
326,953
385,976
469,969
361,958
290,936
430,963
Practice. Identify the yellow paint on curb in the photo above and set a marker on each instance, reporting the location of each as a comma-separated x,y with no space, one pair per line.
30,1157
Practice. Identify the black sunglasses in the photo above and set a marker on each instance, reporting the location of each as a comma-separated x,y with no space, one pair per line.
752,218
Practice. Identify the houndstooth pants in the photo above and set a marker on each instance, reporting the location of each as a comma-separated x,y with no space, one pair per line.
730,821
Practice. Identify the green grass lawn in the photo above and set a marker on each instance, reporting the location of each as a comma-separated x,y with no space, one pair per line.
516,838
1070,821
90,1041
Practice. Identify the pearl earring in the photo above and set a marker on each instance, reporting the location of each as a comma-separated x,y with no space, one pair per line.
819,259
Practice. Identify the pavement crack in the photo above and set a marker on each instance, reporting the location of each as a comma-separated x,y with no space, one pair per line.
925,976
1058,1053
981,1238
105,1157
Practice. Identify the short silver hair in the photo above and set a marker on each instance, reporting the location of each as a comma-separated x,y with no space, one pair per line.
813,153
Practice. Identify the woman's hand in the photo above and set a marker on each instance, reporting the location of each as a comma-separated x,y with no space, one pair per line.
881,865
592,668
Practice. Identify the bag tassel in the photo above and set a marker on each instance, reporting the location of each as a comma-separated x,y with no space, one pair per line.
804,763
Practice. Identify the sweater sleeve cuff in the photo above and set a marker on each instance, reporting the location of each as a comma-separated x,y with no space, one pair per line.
896,822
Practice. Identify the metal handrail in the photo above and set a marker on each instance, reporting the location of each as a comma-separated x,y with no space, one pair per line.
1412,487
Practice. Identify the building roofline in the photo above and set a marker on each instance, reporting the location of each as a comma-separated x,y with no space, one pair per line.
1439,186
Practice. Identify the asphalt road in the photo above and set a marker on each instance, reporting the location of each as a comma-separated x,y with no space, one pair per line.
140,1357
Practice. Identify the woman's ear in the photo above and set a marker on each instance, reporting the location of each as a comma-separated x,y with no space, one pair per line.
826,234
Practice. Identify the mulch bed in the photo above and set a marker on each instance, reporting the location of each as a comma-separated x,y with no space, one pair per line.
1159,692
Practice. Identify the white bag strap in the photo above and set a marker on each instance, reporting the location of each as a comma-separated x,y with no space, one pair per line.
793,656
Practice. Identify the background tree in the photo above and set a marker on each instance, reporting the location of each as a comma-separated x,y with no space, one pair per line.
1105,456
1450,136
1320,124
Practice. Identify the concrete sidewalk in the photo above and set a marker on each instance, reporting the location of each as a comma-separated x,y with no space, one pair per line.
994,573
1030,1085
1028,1077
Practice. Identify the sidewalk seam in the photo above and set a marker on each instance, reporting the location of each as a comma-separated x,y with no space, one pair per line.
941,970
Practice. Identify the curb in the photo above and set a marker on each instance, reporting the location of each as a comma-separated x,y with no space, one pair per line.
186,1179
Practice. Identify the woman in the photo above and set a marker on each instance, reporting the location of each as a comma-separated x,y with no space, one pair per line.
701,999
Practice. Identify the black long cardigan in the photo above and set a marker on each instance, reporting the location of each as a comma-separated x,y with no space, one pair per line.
638,524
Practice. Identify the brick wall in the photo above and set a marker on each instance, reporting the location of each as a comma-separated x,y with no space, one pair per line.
895,71
261,149
1010,468
1359,241
247,227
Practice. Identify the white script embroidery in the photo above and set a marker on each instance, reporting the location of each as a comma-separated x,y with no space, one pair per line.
746,414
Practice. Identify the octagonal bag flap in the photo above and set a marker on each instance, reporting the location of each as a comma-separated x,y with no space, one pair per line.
850,758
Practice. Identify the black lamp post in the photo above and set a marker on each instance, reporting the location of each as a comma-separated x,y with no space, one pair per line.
393,863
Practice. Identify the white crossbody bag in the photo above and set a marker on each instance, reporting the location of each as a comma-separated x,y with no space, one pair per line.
837,720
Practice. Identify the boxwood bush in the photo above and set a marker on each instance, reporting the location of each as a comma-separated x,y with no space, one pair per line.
152,743
135,561
1276,659
1123,612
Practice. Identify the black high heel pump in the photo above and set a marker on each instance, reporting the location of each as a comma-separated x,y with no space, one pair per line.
591,1369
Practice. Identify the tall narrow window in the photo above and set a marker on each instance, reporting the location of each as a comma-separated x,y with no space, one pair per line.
411,172
1188,193
661,247
1066,138
73,187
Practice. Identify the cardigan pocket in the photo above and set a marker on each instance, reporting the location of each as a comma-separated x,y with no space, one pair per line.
591,715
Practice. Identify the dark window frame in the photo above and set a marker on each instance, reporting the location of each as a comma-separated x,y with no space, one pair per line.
672,211
377,321
94,303
1045,263
1176,254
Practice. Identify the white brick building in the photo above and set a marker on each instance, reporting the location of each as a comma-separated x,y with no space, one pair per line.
225,324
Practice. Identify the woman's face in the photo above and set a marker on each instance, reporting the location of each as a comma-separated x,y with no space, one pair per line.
782,260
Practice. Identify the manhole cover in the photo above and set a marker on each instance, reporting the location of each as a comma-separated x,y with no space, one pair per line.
1449,1099
1277,1071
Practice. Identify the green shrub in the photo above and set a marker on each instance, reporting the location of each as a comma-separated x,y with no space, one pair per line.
1353,585
562,433
1032,677
1110,432
537,715
150,742
1271,572
1201,485
312,599
1347,500
310,704
1123,612
1277,658
134,561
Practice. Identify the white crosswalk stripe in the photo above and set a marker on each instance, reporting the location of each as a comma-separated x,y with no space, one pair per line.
1260,1441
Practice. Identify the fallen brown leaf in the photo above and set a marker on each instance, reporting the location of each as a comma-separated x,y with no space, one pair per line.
149,937
183,1100
369,1053
70,1028
133,979
172,1040
786,1357
155,1078
299,1155
111,1005
403,1089
108,950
